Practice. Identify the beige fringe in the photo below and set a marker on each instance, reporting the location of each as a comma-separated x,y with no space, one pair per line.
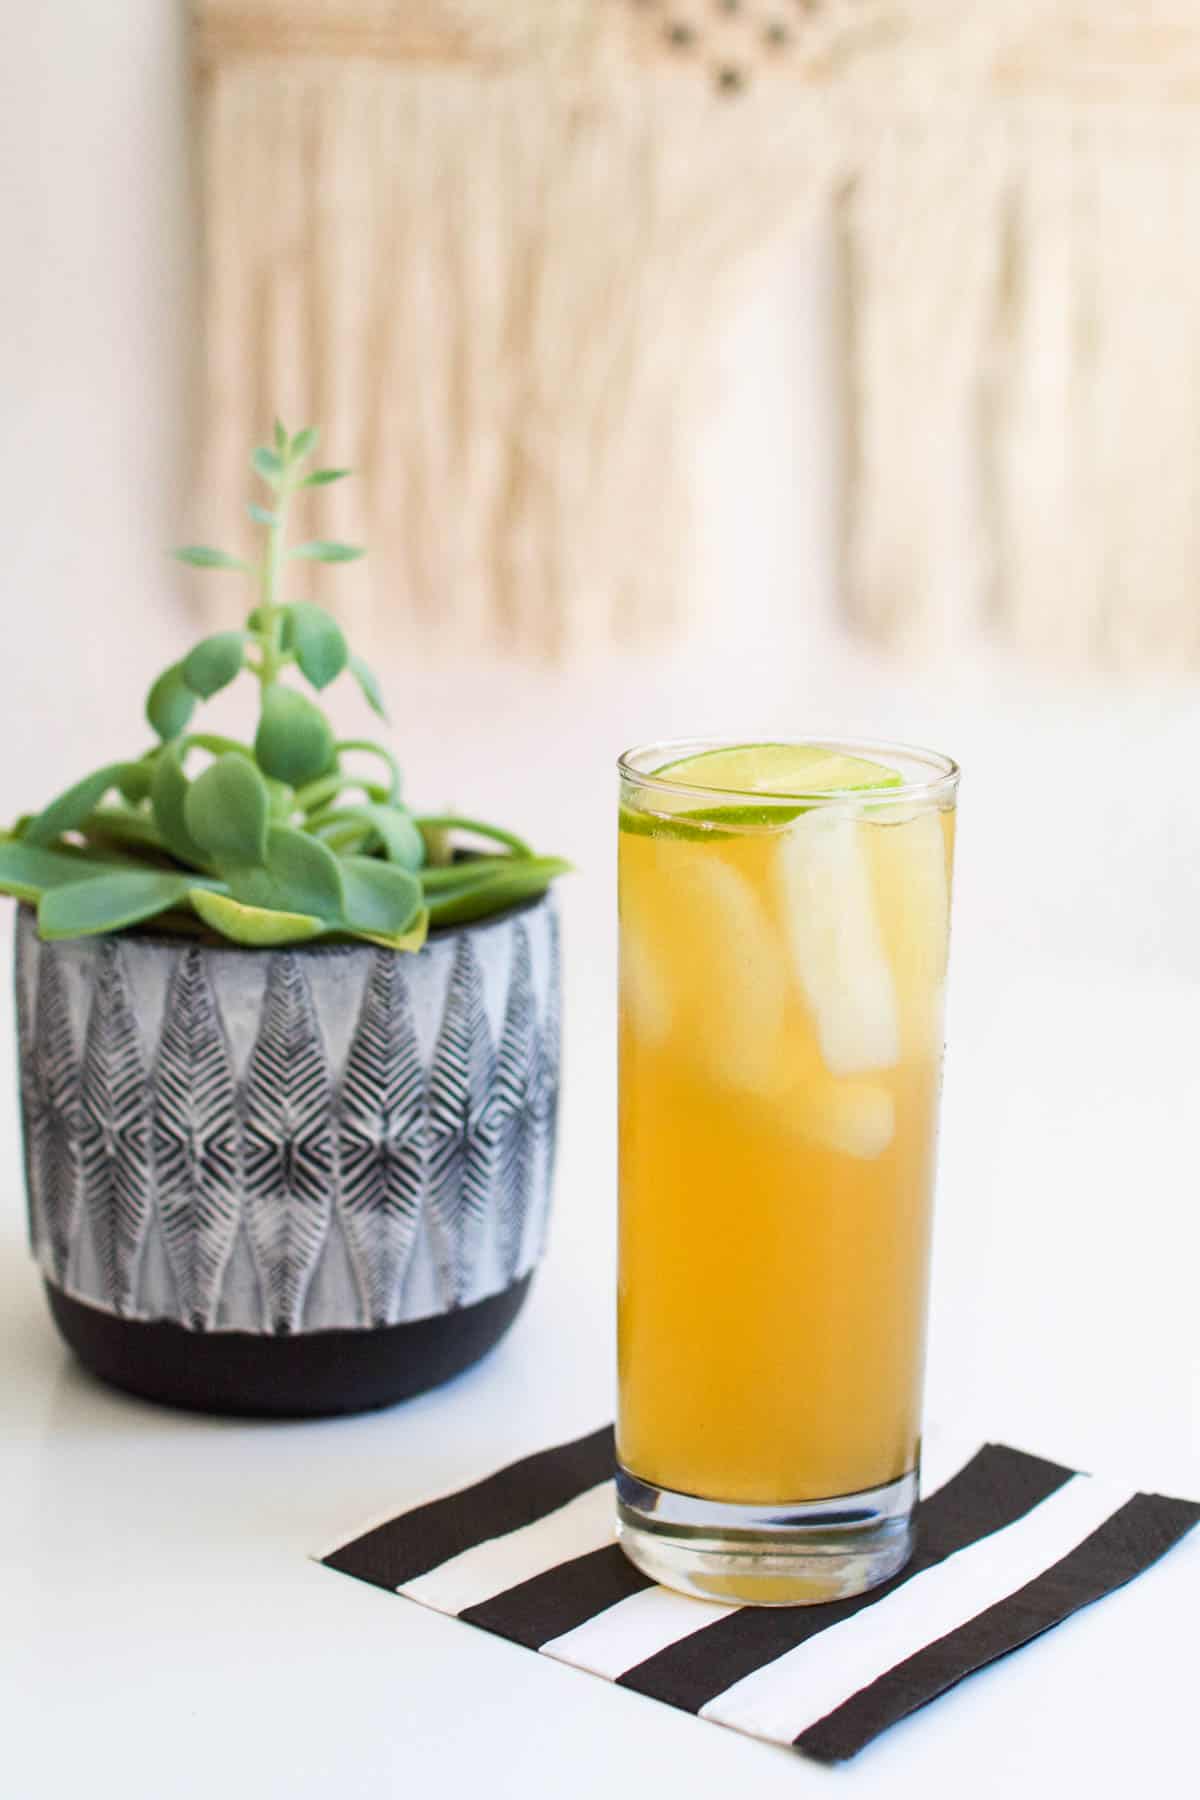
1024,337
492,244
497,279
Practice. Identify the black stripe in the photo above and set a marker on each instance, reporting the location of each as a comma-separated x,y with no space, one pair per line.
1144,1529
560,1599
418,1541
997,1487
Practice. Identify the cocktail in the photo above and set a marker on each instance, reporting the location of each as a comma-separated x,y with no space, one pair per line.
784,928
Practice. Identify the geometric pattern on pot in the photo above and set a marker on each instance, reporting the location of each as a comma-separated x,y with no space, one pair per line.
289,1140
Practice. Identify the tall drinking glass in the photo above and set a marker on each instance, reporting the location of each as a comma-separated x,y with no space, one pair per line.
784,926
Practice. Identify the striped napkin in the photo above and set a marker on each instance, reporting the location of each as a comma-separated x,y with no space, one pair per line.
1009,1545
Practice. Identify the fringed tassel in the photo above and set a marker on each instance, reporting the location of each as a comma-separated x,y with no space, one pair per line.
492,245
1022,381
499,289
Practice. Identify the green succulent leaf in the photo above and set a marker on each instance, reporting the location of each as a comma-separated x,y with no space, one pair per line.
445,878
294,742
168,797
222,852
318,641
70,809
407,940
269,465
260,926
203,556
368,681
170,703
226,811
379,898
135,782
326,550
28,870
411,940
390,826
309,871
108,902
525,878
298,875
213,663
122,829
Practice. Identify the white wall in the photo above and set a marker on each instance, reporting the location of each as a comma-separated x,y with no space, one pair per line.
1083,789
97,328
1076,984
99,345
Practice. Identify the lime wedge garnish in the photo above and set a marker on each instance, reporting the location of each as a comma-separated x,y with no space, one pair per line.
786,770
776,771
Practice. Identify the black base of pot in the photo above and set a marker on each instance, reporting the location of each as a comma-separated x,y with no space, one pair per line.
311,1375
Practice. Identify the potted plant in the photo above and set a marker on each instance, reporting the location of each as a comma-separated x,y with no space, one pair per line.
288,1050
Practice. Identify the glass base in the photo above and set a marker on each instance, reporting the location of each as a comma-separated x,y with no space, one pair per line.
789,1554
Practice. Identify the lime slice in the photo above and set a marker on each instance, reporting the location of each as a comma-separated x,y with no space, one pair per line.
787,770
776,771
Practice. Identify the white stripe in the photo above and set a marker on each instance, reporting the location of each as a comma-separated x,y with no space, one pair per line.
627,1633
583,1524
800,1687
391,1517
638,1627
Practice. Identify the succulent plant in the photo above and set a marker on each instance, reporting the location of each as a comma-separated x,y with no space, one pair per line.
273,842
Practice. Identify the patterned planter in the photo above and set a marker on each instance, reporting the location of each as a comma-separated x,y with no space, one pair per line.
292,1181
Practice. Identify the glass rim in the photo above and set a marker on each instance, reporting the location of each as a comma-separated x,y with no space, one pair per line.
941,781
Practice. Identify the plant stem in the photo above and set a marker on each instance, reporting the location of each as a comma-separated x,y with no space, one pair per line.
374,749
272,660
346,835
477,827
217,745
315,794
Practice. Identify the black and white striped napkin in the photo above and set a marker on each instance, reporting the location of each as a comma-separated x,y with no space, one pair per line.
1009,1545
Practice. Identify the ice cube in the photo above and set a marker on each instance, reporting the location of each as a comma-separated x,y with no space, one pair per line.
644,991
836,945
706,965
910,867
854,1118
742,1023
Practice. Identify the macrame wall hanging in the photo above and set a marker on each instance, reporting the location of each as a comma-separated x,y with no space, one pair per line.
492,246
1019,228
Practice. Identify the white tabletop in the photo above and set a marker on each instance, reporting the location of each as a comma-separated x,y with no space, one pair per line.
165,1631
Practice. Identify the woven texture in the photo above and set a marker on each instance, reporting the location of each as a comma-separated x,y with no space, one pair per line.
494,247
494,262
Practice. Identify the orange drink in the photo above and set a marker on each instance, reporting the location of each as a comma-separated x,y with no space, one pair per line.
784,929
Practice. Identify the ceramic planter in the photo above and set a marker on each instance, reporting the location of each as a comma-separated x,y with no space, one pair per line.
290,1181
